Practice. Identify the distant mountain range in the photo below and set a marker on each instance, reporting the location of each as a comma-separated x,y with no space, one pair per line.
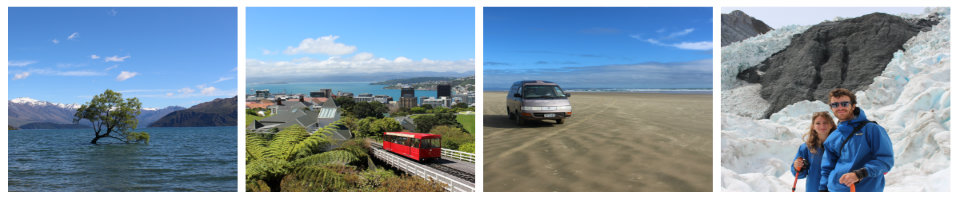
27,113
219,112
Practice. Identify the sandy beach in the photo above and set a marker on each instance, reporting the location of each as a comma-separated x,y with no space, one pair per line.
613,142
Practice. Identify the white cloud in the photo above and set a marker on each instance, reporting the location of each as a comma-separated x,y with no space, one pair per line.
704,45
359,64
321,45
115,59
51,72
113,12
402,59
223,79
266,52
186,90
94,56
680,33
111,67
362,56
208,90
124,75
21,75
20,63
169,94
73,36
55,41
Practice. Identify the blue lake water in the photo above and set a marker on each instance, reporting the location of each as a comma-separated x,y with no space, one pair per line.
177,159
355,87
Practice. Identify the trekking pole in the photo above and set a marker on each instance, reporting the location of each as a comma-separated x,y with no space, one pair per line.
795,182
797,176
853,188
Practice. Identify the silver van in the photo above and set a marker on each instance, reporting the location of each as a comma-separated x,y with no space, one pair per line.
537,100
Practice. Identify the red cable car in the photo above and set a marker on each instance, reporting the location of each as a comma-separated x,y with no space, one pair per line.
418,146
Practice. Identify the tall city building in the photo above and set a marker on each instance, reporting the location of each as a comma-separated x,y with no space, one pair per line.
407,98
443,90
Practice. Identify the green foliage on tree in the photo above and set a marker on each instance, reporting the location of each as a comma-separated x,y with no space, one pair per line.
344,102
112,116
460,105
373,127
426,122
452,136
468,147
418,110
361,110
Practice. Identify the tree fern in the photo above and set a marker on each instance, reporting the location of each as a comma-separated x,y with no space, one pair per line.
331,157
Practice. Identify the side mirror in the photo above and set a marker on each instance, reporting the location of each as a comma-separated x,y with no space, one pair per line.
568,94
517,95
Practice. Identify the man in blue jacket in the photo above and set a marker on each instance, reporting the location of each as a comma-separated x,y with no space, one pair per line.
854,157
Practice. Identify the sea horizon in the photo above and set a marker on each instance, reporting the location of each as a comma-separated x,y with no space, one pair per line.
630,90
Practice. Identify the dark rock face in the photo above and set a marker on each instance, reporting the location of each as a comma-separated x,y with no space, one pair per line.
219,112
738,26
843,54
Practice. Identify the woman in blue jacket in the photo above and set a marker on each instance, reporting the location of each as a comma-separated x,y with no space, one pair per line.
808,156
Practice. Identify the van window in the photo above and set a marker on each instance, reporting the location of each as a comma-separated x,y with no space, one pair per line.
543,92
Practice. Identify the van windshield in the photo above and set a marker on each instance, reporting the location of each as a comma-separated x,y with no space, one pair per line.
543,92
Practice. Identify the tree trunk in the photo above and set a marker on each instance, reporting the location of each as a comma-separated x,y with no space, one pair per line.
94,141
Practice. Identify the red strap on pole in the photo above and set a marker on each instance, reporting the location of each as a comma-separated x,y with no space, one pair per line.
853,188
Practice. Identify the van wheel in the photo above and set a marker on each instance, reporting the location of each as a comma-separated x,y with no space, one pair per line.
510,114
559,121
519,119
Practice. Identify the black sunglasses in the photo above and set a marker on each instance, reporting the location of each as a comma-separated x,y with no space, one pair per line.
839,104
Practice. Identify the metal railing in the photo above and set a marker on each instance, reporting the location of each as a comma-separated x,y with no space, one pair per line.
453,184
459,155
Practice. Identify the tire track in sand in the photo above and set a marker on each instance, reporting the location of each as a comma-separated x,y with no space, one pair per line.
535,140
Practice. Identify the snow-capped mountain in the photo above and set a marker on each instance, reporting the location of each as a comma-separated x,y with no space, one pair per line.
25,110
910,98
33,102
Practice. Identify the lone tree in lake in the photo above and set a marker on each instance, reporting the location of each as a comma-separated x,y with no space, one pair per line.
110,114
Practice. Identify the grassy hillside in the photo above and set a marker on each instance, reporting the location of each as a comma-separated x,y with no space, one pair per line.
468,123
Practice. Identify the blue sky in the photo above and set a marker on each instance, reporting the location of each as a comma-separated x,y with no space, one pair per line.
163,56
599,47
358,44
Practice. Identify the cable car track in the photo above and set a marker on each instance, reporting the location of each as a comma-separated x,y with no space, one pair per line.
461,174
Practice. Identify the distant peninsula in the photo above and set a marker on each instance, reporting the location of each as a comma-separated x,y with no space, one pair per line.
427,83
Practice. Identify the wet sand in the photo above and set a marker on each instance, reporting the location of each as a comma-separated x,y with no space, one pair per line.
613,142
